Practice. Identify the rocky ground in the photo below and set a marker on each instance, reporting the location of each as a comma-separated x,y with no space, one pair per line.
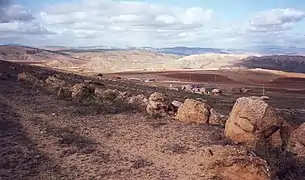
45,136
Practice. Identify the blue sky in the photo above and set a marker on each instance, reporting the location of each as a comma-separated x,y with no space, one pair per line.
156,23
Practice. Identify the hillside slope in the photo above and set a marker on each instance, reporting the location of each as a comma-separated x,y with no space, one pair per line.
110,61
116,61
275,62
206,61
285,63
96,61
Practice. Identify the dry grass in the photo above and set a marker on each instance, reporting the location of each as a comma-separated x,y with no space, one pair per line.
96,139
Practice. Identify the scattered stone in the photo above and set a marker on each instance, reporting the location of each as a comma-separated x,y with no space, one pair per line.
203,90
245,90
216,118
297,142
55,83
158,104
253,121
58,76
26,77
192,111
138,101
64,93
176,104
108,94
82,91
124,95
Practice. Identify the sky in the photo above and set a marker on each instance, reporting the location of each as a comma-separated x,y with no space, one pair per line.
230,24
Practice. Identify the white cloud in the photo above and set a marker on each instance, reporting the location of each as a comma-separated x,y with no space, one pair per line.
23,28
126,14
138,21
276,19
9,13
134,23
17,21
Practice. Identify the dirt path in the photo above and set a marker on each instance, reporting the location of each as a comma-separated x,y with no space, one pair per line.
46,138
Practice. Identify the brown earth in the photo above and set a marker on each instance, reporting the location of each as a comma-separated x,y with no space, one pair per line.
43,137
285,92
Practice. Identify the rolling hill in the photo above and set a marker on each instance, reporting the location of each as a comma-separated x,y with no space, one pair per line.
118,60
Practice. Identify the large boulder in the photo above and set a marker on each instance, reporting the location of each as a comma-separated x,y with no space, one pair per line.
239,168
111,95
108,94
139,101
158,104
297,142
27,77
82,91
252,121
234,163
55,83
192,111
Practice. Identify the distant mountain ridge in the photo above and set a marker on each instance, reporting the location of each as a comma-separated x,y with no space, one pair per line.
186,51
154,59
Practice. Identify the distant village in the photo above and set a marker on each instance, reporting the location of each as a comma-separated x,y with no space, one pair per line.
195,88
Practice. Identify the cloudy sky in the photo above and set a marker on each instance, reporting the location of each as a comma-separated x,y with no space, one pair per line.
156,23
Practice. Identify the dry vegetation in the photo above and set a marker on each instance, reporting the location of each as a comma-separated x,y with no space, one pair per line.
60,125
46,137
110,61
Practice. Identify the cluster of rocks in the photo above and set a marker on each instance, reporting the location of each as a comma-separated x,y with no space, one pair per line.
252,123
28,78
262,128
77,92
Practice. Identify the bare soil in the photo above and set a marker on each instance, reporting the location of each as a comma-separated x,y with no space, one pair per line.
43,137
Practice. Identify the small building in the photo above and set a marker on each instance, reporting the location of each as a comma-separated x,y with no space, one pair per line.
216,92
150,80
